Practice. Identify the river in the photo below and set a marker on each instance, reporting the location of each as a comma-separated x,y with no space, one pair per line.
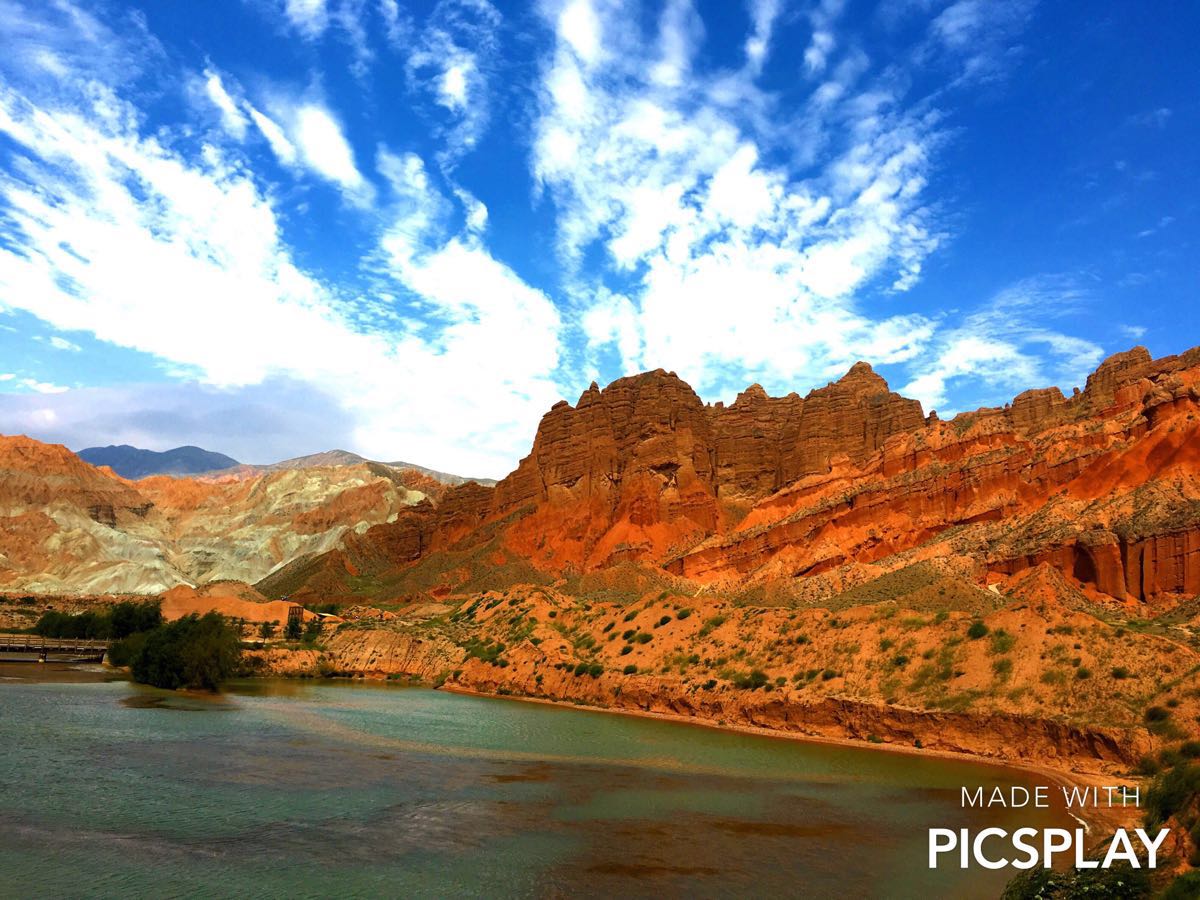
303,788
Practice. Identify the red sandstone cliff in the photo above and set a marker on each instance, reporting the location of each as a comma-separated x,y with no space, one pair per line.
1104,485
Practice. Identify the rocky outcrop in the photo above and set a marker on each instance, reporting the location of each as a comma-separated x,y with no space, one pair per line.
770,490
1114,373
1103,484
852,417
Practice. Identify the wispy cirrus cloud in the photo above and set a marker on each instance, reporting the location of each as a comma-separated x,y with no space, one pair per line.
978,38
688,198
121,231
1012,342
712,218
451,65
300,129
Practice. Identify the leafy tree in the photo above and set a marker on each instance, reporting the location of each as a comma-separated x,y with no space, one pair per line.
193,652
130,618
88,625
122,620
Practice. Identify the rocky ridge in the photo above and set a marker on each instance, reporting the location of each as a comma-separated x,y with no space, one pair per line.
1103,485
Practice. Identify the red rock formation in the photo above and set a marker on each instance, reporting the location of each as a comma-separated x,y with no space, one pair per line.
774,488
1104,486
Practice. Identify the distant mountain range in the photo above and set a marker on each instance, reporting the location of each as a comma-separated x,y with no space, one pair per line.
134,462
346,458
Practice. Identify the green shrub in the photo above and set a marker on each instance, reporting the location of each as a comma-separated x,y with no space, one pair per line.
630,669
486,651
752,681
977,630
628,648
683,613
644,638
1148,765
829,675
130,618
1185,887
663,621
193,652
1120,673
1083,672
122,652
1117,883
118,622
1190,749
1171,791
1156,714
1002,641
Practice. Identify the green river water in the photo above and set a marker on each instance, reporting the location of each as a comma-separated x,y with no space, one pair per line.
298,789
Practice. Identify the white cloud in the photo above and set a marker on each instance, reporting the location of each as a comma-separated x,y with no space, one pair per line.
32,385
1133,332
325,148
396,23
1152,118
1009,345
283,149
979,36
451,63
60,343
232,117
681,185
304,135
580,27
763,14
1163,222
309,17
117,236
613,319
822,18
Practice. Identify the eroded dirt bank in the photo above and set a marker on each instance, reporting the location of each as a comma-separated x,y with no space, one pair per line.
1036,689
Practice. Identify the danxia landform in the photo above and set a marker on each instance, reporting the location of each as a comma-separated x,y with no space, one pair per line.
1018,582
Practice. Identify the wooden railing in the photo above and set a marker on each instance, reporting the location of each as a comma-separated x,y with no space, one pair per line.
35,643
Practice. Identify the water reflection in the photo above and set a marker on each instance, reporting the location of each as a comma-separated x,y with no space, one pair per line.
301,788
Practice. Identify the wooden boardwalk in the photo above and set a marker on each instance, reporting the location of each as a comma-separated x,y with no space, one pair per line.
45,648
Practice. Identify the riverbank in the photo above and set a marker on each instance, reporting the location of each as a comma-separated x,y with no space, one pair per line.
1098,818
310,786
1101,820
1057,754
792,673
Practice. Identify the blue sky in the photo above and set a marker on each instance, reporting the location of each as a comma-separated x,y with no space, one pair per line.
272,227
